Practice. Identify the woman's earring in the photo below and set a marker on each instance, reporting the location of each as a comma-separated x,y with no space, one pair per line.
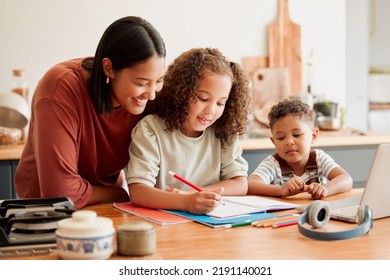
107,80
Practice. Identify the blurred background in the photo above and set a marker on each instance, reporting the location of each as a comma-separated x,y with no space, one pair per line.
344,45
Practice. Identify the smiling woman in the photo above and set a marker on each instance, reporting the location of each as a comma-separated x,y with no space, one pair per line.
77,143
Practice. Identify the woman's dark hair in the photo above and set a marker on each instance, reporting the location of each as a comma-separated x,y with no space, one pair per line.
126,42
181,85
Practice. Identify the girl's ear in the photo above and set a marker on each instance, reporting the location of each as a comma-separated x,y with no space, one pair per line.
107,68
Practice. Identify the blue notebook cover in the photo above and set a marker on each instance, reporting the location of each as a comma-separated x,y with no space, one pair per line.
216,222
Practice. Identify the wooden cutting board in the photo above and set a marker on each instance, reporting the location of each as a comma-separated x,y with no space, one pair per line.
284,46
251,63
269,86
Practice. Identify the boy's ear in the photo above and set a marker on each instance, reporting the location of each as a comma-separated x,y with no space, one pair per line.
314,135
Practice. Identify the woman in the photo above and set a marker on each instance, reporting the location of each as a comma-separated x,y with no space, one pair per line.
83,112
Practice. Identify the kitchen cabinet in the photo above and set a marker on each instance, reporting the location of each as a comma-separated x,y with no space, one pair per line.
7,174
9,160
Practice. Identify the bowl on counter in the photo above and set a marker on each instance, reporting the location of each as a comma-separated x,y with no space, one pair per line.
328,123
9,136
14,110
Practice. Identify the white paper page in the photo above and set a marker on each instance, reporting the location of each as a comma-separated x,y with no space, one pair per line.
261,203
231,209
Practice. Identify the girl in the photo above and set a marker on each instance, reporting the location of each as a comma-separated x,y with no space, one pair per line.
193,132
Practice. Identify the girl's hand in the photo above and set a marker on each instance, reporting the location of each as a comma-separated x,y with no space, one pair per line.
293,186
317,191
203,202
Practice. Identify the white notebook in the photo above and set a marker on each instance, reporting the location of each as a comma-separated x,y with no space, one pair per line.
241,205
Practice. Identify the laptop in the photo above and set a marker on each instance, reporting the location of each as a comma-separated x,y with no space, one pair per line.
376,193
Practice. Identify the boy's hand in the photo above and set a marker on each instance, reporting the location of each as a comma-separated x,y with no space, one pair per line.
317,191
293,186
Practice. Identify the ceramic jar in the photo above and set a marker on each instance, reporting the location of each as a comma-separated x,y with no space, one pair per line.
85,236
136,239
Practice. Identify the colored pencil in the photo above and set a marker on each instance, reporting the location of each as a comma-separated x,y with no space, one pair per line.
270,222
285,223
188,183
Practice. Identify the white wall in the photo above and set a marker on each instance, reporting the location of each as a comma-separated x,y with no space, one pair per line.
380,35
37,34
357,63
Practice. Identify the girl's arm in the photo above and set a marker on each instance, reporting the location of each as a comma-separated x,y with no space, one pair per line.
196,202
235,186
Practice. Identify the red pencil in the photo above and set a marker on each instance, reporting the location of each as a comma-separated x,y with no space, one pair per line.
188,183
285,224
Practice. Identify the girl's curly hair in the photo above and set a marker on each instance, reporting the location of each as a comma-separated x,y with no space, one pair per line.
181,84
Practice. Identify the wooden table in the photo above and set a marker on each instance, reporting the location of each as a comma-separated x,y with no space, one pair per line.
193,241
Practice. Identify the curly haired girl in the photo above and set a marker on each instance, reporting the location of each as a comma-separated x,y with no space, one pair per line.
193,130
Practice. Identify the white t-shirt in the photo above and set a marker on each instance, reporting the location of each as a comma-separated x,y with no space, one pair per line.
154,151
269,169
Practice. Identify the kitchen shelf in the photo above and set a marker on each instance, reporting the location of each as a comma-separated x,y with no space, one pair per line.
379,106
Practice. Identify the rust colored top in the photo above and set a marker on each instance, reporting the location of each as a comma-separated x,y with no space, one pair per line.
70,147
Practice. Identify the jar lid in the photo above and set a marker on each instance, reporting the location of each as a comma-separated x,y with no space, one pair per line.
85,223
18,72
135,227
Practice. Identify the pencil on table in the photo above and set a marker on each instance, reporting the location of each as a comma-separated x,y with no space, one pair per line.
285,223
270,222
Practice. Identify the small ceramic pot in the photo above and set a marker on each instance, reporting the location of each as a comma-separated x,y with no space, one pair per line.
136,239
85,236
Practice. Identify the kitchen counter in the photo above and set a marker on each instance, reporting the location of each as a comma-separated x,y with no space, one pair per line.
11,152
352,149
339,138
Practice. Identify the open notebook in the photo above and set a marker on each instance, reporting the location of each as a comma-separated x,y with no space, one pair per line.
241,205
238,209
376,194
235,209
